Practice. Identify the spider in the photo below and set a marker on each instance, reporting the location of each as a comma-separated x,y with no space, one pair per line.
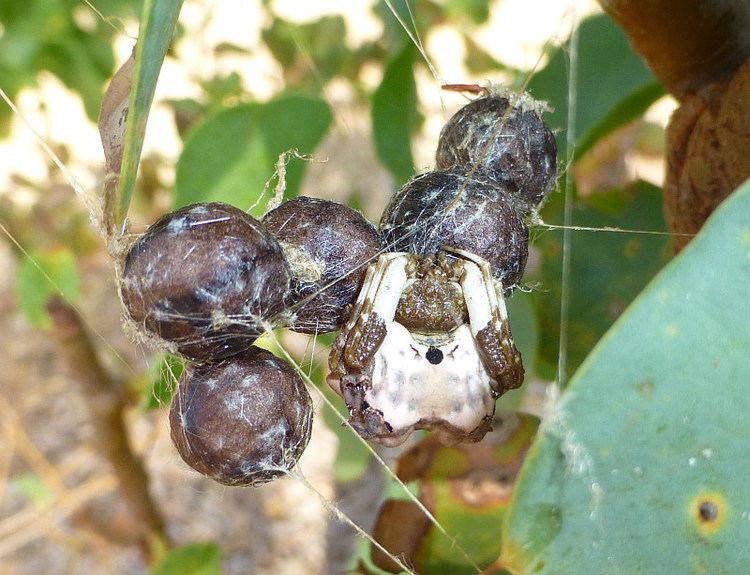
427,346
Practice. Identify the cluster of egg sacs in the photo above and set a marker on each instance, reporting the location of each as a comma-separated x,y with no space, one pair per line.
207,280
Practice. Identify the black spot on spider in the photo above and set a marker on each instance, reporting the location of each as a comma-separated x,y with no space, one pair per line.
434,355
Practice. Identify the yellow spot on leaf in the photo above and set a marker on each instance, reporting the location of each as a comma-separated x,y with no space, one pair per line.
671,330
708,511
512,557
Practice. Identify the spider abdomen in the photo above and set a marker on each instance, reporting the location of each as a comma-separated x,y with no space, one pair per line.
452,396
442,209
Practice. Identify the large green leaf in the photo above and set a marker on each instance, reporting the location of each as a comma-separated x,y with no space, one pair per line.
642,465
608,269
158,21
43,276
613,85
232,155
394,115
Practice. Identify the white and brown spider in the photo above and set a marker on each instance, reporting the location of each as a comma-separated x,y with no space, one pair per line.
427,346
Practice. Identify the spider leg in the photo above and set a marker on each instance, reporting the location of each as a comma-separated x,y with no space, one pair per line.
352,356
365,328
488,319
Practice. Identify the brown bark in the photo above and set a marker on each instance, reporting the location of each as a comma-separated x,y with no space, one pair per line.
106,405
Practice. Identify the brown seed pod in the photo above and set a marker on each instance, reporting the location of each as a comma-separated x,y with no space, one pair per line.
328,247
242,421
445,209
202,278
514,148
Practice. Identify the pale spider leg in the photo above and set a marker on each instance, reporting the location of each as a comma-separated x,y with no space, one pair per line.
392,284
371,285
495,298
365,328
488,319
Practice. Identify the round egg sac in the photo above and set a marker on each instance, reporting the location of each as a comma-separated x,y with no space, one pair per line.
244,420
328,247
509,145
443,209
203,278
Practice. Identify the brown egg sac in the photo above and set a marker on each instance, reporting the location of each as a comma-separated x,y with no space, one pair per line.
242,421
328,247
203,278
514,148
443,209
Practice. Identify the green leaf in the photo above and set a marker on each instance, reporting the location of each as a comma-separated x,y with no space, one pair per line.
523,325
232,155
162,382
394,116
642,465
607,270
45,35
466,487
158,21
613,85
626,110
42,276
352,457
293,45
477,11
194,559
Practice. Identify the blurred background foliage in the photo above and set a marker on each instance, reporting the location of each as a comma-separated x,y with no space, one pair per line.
321,91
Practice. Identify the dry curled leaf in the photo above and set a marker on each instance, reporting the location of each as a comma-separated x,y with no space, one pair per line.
707,158
688,44
112,119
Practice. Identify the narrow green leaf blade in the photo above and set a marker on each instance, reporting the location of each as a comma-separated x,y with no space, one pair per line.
158,22
394,115
642,466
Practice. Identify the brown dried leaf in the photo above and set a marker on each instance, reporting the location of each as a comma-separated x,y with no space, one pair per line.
708,140
400,528
427,459
688,44
467,487
112,119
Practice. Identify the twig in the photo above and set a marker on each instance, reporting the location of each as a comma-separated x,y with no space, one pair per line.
106,404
